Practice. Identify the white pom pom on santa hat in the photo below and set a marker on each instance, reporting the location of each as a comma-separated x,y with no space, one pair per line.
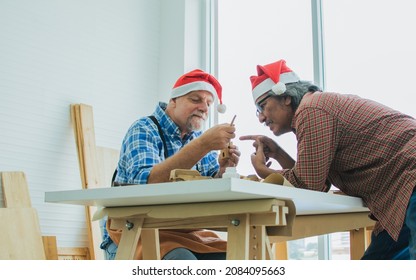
279,88
221,108
199,80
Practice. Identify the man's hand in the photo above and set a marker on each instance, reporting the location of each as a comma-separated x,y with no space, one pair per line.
266,148
270,148
217,137
260,161
232,160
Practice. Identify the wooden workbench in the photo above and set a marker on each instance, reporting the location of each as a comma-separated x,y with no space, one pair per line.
254,214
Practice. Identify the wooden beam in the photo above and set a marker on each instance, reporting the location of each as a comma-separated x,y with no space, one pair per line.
50,247
15,189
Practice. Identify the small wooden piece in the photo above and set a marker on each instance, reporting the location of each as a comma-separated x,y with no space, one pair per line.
225,153
186,175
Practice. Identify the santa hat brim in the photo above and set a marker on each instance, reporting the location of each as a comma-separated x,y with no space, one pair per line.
194,86
267,84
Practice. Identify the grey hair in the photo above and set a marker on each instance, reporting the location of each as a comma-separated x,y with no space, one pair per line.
297,90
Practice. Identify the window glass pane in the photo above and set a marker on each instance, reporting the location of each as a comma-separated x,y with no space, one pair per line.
252,32
303,249
370,50
340,246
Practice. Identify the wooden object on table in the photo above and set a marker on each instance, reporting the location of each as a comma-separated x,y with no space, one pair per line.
225,153
186,175
96,165
251,177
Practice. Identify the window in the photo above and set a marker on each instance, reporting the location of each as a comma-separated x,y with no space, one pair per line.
260,32
368,51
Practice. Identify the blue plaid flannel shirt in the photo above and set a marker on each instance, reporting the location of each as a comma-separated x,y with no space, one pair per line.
142,148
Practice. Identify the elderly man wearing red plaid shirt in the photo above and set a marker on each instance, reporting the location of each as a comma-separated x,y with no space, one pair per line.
363,148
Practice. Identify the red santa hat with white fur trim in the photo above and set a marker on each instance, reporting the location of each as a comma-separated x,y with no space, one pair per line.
274,77
199,80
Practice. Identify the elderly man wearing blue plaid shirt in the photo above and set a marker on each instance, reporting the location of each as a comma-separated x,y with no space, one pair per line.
172,139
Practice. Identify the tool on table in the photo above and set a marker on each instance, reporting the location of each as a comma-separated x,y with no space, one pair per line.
225,154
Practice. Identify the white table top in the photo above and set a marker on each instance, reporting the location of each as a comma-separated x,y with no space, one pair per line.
307,202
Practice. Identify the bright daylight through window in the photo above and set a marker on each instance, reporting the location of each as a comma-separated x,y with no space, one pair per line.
363,53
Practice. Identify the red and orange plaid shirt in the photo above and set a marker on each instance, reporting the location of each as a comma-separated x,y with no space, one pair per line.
363,148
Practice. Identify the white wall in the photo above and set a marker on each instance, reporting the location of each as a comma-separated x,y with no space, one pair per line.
117,56
183,37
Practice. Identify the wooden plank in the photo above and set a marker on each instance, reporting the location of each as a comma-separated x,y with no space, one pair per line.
15,195
1,192
89,153
20,235
107,159
50,247
73,253
15,190
83,123
75,120
97,165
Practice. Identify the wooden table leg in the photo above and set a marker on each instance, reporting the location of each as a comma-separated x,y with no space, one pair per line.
150,244
257,247
129,239
281,251
358,243
238,237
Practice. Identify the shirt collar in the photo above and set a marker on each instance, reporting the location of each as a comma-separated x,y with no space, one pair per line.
168,126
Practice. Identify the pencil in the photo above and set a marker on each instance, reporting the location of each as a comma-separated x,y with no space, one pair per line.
232,121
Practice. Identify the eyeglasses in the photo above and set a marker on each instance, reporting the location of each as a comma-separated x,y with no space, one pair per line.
260,105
